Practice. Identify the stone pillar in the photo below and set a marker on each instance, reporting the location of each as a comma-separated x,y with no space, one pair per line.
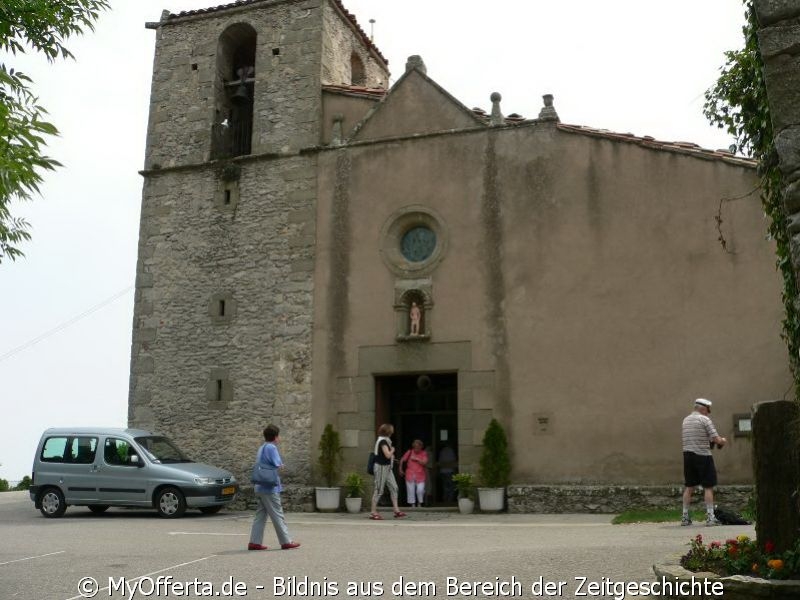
776,426
776,467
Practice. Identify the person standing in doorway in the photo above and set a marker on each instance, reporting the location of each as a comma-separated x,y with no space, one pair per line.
384,477
269,497
415,461
699,437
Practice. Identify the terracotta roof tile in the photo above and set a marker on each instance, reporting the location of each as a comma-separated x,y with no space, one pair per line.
201,11
650,142
355,89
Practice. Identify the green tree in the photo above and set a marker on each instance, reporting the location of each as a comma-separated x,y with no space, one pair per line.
42,26
4,485
738,103
24,484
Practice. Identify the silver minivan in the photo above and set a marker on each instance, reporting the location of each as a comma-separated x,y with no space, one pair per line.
99,468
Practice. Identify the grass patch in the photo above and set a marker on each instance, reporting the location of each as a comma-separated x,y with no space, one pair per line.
657,515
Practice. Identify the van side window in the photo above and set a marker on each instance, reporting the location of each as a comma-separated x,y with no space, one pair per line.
54,449
83,449
118,452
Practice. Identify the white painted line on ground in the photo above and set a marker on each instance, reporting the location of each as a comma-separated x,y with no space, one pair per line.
32,557
133,579
202,533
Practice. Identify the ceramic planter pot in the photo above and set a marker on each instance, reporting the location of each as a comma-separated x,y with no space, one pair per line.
328,498
466,506
491,499
353,504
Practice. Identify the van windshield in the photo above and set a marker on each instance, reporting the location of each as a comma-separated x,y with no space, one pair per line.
160,450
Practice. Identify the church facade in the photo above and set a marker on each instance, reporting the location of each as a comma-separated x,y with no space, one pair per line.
318,247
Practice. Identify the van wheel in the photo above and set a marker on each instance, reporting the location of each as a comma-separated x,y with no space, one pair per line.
170,503
53,504
98,508
210,510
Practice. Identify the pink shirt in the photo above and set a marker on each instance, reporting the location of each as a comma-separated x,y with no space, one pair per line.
414,470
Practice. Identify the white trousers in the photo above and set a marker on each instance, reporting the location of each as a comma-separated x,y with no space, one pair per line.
417,487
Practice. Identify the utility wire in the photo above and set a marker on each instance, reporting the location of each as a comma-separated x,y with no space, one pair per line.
65,324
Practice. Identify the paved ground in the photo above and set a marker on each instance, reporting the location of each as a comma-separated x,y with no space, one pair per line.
45,559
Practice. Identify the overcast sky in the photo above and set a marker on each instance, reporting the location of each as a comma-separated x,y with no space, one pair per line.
66,308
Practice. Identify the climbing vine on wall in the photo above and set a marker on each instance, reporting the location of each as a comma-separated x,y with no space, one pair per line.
738,103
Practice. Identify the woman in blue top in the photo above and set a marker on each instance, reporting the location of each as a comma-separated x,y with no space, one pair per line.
269,497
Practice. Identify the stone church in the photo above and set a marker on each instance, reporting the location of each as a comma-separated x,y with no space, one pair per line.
317,246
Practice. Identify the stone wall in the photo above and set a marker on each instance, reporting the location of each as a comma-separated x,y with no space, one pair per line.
287,98
613,499
339,43
258,253
779,41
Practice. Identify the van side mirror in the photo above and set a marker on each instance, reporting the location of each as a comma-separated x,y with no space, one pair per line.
134,458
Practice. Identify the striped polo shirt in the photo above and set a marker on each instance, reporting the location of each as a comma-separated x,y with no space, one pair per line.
698,431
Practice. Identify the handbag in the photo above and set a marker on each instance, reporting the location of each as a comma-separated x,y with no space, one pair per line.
264,474
371,464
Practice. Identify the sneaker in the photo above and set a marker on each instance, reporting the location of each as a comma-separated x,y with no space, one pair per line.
256,547
712,522
685,521
290,545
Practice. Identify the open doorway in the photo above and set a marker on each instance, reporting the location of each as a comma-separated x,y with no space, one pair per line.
423,406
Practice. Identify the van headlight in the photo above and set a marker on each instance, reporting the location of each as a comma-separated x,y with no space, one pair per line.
205,480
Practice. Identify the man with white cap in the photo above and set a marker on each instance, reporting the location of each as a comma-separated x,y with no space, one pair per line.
699,436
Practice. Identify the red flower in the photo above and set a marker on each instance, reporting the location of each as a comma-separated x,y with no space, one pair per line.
769,547
733,551
715,544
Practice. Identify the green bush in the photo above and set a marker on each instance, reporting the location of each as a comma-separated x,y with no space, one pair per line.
4,485
330,455
495,463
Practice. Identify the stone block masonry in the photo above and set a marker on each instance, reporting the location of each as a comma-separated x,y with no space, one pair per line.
191,251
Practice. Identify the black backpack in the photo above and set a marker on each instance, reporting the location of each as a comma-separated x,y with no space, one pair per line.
729,517
371,463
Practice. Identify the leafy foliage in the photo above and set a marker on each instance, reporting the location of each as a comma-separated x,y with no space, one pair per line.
495,463
742,556
465,484
330,455
738,103
354,485
24,484
42,26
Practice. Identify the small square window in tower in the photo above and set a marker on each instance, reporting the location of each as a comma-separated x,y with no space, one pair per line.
236,59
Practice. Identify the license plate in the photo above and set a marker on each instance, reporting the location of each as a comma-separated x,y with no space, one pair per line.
228,490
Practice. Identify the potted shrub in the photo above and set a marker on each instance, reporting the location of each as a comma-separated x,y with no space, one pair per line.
354,492
329,463
465,484
494,468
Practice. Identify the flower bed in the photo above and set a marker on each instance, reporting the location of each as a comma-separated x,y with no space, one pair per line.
745,569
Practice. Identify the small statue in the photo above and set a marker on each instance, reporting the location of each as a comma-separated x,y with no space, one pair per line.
415,314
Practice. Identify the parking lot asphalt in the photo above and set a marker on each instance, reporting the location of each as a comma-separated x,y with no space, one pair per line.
136,554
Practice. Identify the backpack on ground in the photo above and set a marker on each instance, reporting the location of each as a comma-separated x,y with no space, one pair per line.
729,517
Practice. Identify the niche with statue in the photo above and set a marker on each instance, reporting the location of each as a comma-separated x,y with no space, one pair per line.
413,316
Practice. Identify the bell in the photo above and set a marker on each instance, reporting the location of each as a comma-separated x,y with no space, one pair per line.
240,96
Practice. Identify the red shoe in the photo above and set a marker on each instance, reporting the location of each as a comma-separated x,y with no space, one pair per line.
399,514
256,547
290,545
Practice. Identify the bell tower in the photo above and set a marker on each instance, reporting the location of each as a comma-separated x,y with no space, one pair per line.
223,314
